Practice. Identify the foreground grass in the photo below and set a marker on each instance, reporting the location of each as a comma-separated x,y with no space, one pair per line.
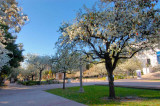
93,95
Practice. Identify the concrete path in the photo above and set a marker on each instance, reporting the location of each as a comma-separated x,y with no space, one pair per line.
17,95
35,98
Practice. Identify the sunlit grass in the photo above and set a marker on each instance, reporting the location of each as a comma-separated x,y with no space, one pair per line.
93,95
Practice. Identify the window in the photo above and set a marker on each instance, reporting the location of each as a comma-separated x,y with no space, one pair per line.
148,62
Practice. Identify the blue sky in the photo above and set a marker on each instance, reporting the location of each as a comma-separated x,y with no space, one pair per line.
40,33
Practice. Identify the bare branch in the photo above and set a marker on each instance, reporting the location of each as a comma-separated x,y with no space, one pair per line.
131,54
97,53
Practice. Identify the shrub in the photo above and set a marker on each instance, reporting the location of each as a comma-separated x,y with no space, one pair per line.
30,83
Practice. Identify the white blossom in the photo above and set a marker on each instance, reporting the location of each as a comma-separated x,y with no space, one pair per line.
4,58
12,16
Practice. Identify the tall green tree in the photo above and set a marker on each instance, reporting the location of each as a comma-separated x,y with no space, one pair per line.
117,29
15,54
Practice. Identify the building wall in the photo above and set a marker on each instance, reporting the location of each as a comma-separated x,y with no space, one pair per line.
59,76
148,58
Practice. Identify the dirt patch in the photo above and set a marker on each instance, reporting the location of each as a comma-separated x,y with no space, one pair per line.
124,99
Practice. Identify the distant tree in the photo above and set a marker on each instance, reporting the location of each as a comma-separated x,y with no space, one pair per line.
24,74
131,65
96,70
39,62
53,65
67,61
116,30
14,73
45,74
32,71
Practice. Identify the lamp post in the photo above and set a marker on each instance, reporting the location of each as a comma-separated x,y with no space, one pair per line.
81,85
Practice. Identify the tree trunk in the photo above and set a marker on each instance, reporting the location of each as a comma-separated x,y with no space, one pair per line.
40,76
109,69
132,74
52,75
111,86
0,80
64,80
32,77
55,75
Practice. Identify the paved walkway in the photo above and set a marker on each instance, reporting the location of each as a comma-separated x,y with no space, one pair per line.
17,95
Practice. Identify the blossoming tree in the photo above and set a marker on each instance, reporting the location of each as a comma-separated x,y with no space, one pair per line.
117,29
4,58
12,16
66,61
39,62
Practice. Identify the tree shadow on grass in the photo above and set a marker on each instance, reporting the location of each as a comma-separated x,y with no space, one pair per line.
132,96
138,101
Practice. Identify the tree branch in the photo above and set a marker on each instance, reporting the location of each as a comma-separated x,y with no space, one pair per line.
97,53
131,54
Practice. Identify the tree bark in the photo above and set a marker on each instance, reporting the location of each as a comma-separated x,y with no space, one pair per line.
52,75
32,77
0,79
55,75
40,76
132,74
111,86
109,69
64,80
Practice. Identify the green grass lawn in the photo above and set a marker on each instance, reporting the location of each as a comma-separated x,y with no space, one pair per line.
93,96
